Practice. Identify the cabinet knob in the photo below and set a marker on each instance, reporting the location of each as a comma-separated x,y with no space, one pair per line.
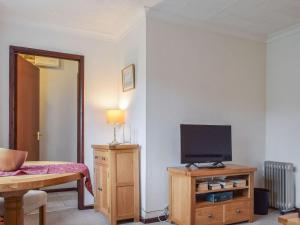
210,215
96,157
99,189
238,211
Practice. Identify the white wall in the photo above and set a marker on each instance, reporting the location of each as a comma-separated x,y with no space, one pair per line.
58,112
193,76
201,77
283,102
132,50
101,76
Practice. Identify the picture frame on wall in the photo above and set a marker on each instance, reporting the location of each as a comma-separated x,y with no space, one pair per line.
128,77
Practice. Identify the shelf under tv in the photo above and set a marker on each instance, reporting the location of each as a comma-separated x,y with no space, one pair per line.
234,200
222,190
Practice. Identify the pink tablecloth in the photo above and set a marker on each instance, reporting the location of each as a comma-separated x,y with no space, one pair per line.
54,169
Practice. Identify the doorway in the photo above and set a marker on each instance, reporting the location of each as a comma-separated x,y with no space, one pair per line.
25,108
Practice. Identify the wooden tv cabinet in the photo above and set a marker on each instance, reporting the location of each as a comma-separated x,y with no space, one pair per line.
187,206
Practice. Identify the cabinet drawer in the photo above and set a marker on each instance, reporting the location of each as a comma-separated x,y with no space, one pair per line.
237,212
101,157
209,215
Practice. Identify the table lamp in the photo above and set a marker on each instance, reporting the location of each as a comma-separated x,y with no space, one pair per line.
115,117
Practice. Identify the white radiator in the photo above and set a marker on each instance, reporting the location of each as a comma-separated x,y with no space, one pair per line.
280,180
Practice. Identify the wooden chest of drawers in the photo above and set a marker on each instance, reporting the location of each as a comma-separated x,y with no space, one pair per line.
237,211
190,206
116,172
209,215
228,213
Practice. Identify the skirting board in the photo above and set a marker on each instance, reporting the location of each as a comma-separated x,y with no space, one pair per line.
152,216
88,207
153,220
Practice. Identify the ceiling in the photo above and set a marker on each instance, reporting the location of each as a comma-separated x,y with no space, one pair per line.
104,17
112,18
257,19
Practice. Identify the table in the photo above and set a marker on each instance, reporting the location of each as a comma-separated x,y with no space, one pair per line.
289,219
13,189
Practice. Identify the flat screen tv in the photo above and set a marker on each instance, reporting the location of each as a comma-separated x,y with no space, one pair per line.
205,143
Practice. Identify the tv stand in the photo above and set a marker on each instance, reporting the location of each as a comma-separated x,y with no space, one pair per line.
189,165
188,204
217,165
211,166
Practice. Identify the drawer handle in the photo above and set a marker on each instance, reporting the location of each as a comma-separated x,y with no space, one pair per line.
210,216
96,157
99,189
238,211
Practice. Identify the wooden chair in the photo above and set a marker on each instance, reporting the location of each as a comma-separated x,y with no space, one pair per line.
33,200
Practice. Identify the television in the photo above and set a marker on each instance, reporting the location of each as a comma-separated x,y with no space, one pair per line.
205,144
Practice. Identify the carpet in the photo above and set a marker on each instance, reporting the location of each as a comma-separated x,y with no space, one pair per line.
89,217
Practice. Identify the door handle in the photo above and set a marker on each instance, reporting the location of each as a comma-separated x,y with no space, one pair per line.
39,135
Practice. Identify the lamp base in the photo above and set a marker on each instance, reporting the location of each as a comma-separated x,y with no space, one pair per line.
114,143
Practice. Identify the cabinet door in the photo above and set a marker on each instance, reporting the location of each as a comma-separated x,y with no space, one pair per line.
101,182
125,185
104,189
97,187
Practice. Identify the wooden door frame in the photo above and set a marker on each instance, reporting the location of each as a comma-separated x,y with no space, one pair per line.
13,52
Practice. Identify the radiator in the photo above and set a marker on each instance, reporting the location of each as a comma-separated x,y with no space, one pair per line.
280,180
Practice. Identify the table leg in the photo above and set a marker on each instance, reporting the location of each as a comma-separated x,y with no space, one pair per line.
13,208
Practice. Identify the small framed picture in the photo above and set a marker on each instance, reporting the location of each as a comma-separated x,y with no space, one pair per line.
128,78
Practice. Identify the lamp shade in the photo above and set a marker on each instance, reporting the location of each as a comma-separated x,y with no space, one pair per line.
115,116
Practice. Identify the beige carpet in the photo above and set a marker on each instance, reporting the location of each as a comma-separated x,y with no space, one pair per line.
89,217
62,210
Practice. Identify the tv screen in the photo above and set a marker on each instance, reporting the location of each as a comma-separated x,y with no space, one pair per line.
205,143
